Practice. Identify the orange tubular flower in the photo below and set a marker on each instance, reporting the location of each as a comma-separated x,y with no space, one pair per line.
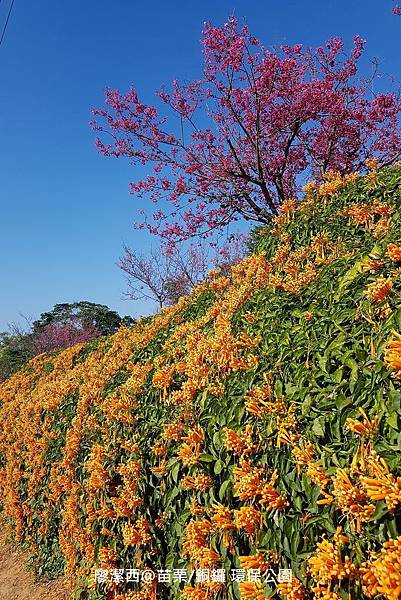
161,469
394,252
382,485
250,446
173,431
248,518
255,561
98,474
382,575
162,379
273,499
281,254
205,557
138,534
233,441
196,509
199,482
327,499
351,499
259,402
334,181
359,214
248,481
159,449
392,355
250,590
292,590
378,291
222,518
196,543
193,593
288,206
194,436
372,163
327,565
303,455
364,427
310,187
286,428
188,455
317,474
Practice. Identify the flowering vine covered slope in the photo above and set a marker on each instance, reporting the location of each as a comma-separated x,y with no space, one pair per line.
254,425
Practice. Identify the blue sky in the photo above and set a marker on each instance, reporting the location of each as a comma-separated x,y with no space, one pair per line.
65,210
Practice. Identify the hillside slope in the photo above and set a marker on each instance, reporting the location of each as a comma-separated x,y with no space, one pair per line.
254,425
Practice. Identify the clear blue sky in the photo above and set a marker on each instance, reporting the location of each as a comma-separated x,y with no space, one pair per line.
65,210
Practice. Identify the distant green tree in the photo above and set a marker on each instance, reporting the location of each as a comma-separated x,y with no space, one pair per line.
63,326
83,315
15,350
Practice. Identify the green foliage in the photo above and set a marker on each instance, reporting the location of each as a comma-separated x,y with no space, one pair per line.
88,314
15,351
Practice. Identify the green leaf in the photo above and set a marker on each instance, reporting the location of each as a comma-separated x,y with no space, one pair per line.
218,467
206,458
223,488
392,420
174,472
318,426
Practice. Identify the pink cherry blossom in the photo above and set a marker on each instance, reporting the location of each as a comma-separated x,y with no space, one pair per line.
249,133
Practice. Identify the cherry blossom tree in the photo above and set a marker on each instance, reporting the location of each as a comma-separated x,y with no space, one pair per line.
58,336
396,9
247,134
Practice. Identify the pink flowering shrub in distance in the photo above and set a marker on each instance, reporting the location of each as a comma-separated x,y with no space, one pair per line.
56,337
249,132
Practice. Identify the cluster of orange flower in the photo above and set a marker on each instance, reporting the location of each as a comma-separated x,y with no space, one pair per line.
190,448
382,574
200,482
260,402
351,499
240,445
379,290
223,519
304,456
293,590
393,354
381,483
251,483
196,544
366,427
333,182
287,426
394,252
137,534
366,214
327,565
294,269
251,590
